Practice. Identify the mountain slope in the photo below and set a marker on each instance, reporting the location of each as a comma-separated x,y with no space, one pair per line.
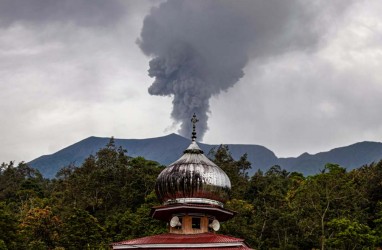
164,150
351,157
167,149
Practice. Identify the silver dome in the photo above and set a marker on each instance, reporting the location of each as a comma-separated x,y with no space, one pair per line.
193,179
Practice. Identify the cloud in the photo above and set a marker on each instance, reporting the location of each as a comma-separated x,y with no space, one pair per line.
68,76
79,12
311,100
200,48
308,80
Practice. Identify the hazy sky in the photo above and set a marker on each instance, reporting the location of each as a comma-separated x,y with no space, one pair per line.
311,73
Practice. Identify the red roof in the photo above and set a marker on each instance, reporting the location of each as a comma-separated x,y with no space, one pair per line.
204,248
182,238
184,241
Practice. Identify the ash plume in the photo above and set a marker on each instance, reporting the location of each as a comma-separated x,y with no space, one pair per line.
199,48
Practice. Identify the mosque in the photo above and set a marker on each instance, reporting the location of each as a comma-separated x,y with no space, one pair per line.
193,191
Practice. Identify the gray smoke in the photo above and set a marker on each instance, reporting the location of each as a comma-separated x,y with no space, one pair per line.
200,47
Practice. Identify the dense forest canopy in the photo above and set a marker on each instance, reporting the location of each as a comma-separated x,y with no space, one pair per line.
109,197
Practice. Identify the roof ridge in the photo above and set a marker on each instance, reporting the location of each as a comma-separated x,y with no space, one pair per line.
211,237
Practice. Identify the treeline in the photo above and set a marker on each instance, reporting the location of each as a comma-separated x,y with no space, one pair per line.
109,197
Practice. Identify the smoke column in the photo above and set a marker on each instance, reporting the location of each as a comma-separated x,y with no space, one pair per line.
199,48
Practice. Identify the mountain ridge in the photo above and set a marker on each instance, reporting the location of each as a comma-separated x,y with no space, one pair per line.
166,149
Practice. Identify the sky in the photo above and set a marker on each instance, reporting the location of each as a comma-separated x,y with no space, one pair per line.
292,76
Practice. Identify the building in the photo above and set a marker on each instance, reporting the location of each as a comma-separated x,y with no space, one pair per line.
193,191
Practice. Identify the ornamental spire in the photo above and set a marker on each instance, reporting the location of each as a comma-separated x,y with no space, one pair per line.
194,120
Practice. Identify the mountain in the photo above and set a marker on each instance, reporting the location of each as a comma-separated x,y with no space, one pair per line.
351,157
167,149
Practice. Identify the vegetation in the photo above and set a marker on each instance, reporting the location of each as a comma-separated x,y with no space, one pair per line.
109,197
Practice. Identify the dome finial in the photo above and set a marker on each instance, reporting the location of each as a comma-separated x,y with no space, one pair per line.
194,120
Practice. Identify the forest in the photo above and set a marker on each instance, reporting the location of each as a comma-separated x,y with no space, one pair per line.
108,199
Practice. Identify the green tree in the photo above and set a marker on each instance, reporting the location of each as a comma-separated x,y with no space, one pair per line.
3,246
243,224
8,226
129,224
368,179
83,231
323,197
348,234
235,170
108,182
276,223
21,182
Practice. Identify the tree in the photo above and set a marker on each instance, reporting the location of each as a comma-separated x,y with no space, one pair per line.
83,231
8,227
40,227
129,224
243,224
235,170
109,182
3,246
323,197
20,183
348,234
368,179
275,223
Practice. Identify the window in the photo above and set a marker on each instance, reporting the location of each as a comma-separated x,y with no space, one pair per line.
196,223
